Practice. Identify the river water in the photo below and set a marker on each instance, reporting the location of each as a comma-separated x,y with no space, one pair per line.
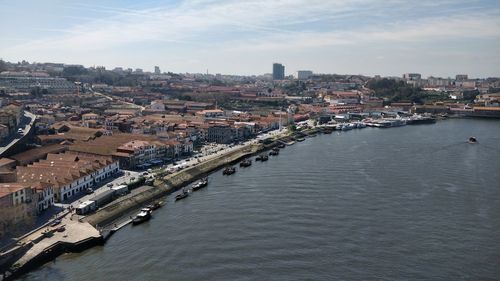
407,203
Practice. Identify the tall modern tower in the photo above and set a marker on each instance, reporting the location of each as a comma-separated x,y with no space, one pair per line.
278,71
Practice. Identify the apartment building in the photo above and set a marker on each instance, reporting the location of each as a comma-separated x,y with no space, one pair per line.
17,207
138,154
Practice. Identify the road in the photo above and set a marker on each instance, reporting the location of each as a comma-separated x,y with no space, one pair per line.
26,122
212,150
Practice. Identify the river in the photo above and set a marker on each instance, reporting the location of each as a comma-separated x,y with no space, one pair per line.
407,203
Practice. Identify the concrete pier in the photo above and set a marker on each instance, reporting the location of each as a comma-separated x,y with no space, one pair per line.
77,236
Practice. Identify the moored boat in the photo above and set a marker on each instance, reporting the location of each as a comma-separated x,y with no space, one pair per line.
229,171
472,140
155,205
142,216
419,119
262,157
274,152
246,163
181,195
281,145
300,139
200,184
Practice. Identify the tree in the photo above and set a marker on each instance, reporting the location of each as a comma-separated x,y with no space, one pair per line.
395,91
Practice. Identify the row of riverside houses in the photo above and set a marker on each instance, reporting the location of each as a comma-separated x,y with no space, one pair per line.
58,178
136,151
69,173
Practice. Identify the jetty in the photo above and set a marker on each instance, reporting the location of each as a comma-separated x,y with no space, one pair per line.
48,242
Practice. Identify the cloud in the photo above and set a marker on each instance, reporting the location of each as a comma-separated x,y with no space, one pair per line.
418,31
192,19
193,28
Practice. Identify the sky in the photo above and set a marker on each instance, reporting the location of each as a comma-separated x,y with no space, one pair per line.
370,37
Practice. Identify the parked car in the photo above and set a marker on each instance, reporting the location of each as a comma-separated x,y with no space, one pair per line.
55,222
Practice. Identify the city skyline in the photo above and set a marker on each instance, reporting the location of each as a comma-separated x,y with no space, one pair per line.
434,38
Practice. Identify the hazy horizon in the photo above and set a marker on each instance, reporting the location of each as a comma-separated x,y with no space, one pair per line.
434,38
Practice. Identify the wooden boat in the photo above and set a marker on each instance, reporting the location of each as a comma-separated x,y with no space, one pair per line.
229,171
262,157
200,184
142,216
246,163
155,205
181,195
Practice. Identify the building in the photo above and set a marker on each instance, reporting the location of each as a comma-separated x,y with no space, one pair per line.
68,173
341,98
438,82
304,74
461,77
211,113
138,154
25,81
278,71
468,84
17,207
157,70
10,116
412,76
4,132
43,195
221,133
488,100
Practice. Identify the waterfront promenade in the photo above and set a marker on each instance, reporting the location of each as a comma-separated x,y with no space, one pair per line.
168,184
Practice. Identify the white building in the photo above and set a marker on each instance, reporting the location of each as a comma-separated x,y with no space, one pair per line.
304,74
69,173
44,196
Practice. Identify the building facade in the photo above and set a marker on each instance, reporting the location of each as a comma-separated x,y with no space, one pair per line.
69,173
278,71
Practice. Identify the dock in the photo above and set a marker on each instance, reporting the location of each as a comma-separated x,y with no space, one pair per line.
47,243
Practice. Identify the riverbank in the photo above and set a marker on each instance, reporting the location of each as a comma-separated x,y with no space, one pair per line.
166,185
81,233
